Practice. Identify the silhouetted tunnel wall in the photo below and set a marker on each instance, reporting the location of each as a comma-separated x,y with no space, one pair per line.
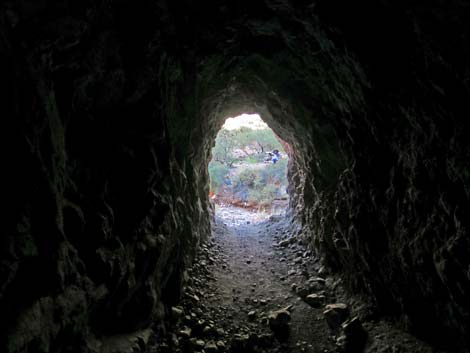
111,111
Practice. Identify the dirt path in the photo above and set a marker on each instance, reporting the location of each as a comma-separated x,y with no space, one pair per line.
258,278
236,216
255,288
241,277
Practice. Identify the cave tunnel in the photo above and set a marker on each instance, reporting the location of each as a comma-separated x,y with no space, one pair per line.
110,110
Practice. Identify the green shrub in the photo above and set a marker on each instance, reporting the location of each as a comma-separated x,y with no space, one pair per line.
275,173
217,174
245,179
235,148
264,195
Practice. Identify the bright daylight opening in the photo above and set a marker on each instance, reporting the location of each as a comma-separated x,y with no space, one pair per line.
248,171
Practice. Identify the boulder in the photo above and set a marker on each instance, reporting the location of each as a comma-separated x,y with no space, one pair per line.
279,323
211,347
355,336
315,300
335,315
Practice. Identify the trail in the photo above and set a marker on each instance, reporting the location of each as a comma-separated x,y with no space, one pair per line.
257,276
254,266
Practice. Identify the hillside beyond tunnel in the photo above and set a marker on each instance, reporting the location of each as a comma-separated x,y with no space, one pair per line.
110,111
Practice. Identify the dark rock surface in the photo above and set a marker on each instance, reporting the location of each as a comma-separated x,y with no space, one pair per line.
109,111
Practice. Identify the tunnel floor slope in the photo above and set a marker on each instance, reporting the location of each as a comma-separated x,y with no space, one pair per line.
255,288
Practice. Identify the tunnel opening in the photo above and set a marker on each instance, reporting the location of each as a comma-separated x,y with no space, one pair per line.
248,171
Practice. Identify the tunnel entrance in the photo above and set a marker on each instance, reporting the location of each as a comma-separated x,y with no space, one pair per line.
248,171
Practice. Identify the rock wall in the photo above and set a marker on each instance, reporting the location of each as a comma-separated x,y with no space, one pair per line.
104,200
111,110
400,228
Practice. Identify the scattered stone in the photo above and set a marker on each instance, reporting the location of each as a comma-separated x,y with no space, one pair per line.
203,330
284,243
335,315
211,347
265,340
188,319
127,343
185,332
355,335
320,280
314,286
341,342
240,343
174,340
198,327
289,308
208,330
302,292
279,323
198,344
176,312
314,300
322,270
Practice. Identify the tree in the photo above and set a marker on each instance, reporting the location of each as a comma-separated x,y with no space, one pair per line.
224,147
264,140
256,184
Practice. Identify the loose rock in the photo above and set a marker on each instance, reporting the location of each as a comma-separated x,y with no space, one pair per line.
336,314
315,300
211,347
355,335
279,323
185,333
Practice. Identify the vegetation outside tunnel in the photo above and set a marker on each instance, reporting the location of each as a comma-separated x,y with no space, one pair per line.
242,169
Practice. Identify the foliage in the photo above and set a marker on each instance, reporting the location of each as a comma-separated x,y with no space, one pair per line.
223,151
264,195
276,173
239,155
246,178
217,172
260,185
253,143
263,140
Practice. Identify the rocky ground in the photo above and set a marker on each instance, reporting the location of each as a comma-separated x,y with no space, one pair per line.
236,216
255,288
